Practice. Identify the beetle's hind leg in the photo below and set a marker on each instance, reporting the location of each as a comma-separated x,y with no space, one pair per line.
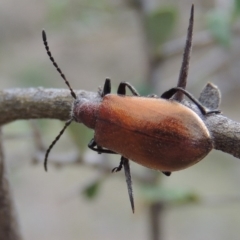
168,94
122,89
93,146
123,163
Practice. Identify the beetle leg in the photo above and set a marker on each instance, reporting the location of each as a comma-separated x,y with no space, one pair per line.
119,168
168,94
167,173
122,89
106,87
123,163
93,146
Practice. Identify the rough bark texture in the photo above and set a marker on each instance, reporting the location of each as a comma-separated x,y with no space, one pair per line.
36,103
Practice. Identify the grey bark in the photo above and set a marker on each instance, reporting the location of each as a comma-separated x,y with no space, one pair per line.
37,103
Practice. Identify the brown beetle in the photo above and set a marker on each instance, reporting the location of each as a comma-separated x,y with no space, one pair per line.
158,133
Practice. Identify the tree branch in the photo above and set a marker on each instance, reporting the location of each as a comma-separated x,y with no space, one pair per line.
33,103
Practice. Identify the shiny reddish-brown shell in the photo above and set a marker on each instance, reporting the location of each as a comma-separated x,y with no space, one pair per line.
156,133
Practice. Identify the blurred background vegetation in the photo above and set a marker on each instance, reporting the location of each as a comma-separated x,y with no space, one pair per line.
127,40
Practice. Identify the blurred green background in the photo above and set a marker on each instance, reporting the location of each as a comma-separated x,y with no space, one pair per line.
95,39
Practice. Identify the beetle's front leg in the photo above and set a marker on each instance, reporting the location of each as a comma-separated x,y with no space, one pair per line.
122,89
93,146
106,87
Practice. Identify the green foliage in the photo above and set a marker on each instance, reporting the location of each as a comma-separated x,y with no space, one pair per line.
237,7
219,24
57,11
33,75
17,127
144,89
175,196
88,11
160,25
92,190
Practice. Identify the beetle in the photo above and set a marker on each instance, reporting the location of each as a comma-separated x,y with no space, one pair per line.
158,133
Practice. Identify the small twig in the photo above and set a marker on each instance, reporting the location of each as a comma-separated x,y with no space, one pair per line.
182,79
155,211
8,222
36,134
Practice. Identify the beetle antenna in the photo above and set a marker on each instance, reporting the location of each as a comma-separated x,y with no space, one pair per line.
54,142
44,37
182,80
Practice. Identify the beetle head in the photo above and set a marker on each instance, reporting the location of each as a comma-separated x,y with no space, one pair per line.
85,108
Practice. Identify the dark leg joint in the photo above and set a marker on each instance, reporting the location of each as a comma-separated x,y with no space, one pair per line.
122,89
93,146
106,87
119,168
168,94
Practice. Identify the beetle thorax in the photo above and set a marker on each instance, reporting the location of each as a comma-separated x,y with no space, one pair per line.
85,111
